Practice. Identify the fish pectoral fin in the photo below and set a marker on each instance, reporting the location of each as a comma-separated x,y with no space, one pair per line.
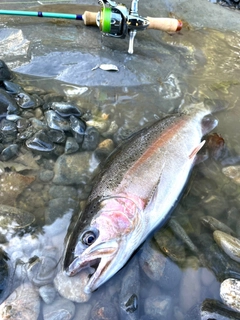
195,150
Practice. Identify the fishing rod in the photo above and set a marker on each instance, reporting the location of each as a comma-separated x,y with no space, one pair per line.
114,20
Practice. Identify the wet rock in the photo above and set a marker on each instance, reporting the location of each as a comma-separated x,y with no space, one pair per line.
212,309
47,293
111,130
46,175
41,269
152,261
12,185
83,311
216,259
11,87
214,224
58,207
72,288
8,127
25,101
22,304
100,124
160,306
170,246
22,124
56,136
158,267
9,152
91,139
61,309
40,142
130,290
104,310
13,219
54,121
181,234
63,191
229,244
190,289
4,275
232,172
7,103
65,109
78,128
71,145
76,168
104,149
5,72
230,293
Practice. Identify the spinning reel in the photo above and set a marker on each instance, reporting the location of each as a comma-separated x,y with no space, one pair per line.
115,20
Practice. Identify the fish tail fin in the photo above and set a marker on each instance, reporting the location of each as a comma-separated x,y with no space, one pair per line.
215,105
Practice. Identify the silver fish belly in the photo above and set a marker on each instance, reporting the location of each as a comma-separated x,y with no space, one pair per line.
139,185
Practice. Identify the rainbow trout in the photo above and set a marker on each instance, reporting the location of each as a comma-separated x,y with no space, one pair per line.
137,188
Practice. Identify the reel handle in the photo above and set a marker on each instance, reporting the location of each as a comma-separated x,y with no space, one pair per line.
163,24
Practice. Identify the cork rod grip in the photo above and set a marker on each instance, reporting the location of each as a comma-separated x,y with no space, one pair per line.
89,18
165,24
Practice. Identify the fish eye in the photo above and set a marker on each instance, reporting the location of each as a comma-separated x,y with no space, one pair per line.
89,236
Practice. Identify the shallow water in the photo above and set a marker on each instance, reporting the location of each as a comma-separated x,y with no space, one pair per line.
163,73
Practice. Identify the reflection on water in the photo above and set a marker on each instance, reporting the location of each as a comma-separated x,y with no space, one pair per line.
181,265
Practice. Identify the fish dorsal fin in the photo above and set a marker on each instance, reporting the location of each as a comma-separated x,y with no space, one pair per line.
195,150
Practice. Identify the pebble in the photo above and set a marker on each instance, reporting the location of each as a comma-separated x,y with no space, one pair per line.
47,293
90,139
214,224
73,169
46,175
54,121
72,288
230,293
229,244
60,309
213,309
232,172
104,310
78,128
5,72
41,270
9,152
25,101
190,289
65,109
40,142
22,304
58,207
130,291
104,149
159,306
71,145
63,191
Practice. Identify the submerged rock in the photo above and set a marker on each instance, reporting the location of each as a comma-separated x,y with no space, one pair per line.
22,304
72,288
61,309
229,244
5,72
212,309
230,293
65,109
40,142
76,168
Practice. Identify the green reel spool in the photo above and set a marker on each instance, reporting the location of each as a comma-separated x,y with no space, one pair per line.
105,20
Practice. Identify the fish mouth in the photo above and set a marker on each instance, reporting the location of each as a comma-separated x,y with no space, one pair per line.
100,257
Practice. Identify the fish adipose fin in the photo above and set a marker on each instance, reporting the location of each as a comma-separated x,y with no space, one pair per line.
195,151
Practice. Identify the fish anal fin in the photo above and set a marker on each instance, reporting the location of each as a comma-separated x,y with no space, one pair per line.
195,150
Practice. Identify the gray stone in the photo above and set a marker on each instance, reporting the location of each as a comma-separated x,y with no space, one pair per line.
47,293
74,168
60,309
72,288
